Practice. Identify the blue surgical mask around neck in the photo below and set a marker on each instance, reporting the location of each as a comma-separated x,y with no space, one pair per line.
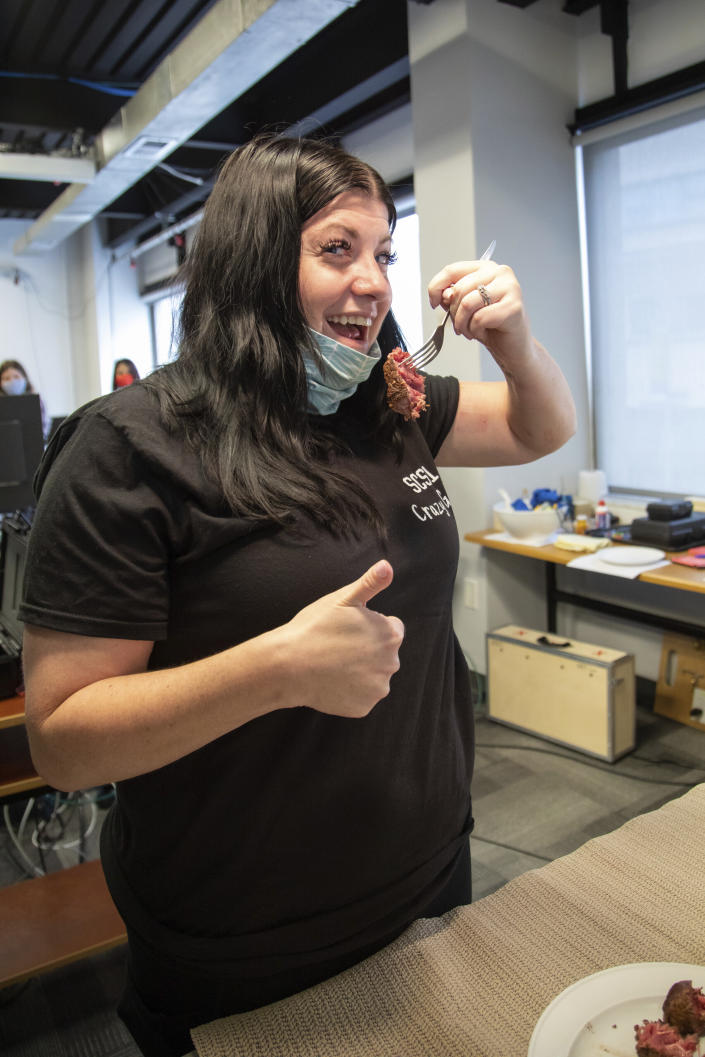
341,372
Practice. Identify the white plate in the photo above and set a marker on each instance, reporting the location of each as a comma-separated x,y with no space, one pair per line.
629,555
595,1017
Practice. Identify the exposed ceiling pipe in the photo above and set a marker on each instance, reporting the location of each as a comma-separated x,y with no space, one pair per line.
390,75
234,45
188,200
177,228
614,21
49,168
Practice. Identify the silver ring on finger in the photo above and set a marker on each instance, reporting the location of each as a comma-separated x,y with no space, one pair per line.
486,299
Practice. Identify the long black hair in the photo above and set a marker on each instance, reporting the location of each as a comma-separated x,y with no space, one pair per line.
237,388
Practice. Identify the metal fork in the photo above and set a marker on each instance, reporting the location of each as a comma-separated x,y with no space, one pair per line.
430,349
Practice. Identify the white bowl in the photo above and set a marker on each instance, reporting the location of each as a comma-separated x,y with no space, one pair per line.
527,524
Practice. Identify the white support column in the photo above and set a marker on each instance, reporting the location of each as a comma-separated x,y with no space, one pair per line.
493,88
446,198
444,181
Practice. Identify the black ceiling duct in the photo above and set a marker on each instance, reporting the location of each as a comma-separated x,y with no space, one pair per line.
666,89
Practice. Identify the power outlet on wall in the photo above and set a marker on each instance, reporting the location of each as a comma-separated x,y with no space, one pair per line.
470,591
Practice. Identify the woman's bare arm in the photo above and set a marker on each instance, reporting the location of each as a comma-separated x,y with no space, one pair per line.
516,421
531,412
96,715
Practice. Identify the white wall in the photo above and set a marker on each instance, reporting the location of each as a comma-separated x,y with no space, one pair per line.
73,311
387,144
35,313
113,322
130,329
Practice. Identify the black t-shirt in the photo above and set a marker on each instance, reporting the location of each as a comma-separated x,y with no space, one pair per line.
300,835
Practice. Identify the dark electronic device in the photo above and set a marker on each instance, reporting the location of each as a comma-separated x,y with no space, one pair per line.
623,534
21,447
664,511
671,535
13,552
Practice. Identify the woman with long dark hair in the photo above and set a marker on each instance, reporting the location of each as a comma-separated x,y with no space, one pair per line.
250,628
238,388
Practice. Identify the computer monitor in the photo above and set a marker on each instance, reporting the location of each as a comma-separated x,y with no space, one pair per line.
21,447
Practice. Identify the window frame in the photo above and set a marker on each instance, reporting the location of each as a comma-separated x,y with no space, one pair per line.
619,133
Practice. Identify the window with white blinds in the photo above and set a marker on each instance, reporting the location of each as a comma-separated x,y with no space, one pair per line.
645,242
165,312
405,278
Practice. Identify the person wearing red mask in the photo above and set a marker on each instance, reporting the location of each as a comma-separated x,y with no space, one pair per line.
125,373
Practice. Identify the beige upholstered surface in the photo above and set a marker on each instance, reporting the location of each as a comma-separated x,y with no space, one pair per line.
473,983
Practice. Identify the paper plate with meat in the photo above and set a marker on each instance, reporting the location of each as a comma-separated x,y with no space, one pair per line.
621,1011
405,386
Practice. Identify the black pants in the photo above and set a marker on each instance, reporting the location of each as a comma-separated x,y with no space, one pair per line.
164,1032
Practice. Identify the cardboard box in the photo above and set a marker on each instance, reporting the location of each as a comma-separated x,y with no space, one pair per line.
680,691
573,693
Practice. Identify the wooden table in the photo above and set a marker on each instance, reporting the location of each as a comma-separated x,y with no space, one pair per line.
17,774
679,577
474,982
47,921
50,921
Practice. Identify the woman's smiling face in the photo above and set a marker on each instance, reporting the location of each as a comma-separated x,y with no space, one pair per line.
346,249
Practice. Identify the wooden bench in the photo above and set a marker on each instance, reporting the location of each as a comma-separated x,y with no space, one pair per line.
53,920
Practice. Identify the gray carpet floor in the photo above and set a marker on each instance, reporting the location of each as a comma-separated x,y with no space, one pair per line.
533,801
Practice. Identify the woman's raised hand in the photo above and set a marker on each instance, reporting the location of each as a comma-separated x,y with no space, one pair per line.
344,653
486,303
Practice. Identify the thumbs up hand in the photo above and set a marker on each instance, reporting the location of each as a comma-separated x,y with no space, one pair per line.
344,654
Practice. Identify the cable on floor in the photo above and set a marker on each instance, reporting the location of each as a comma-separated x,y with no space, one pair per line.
589,763
669,762
576,759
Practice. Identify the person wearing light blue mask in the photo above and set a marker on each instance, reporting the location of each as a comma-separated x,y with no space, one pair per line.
251,618
15,382
13,379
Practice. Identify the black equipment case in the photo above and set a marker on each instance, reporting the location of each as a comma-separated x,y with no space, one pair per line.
13,553
671,535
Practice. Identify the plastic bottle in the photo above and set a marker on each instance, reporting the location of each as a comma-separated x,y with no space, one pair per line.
602,515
